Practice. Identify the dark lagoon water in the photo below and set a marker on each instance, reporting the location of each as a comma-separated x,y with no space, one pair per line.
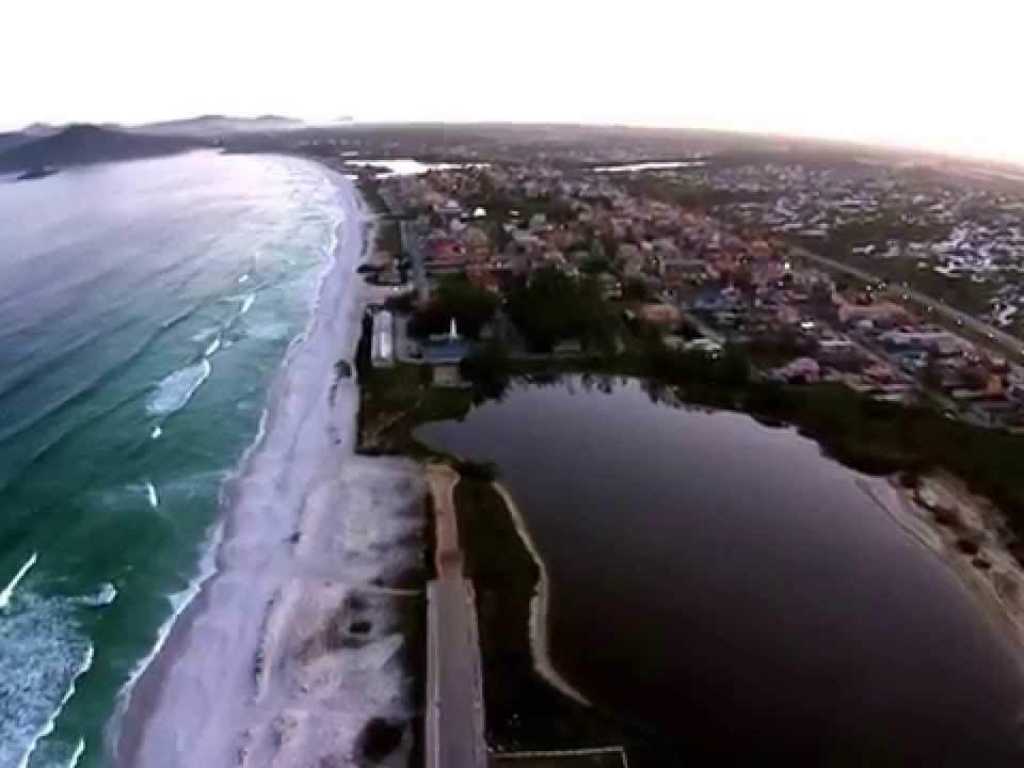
729,584
144,309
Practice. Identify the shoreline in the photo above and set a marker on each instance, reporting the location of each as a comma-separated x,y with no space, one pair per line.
539,645
966,532
209,685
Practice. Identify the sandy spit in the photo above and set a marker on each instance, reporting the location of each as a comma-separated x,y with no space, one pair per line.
292,647
539,645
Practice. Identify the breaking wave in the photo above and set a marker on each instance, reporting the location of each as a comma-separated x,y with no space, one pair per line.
177,389
42,654
76,755
179,602
151,497
8,591
205,333
105,595
212,347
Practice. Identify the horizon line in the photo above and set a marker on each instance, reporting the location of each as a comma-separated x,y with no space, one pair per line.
852,144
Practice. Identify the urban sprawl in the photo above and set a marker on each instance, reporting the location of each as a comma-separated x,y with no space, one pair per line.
895,282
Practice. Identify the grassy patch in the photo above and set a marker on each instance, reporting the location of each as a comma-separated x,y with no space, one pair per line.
389,239
394,401
523,711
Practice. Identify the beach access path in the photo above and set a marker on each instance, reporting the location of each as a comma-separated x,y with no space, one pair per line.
455,710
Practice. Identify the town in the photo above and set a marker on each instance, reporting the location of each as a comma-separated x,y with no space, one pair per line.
468,245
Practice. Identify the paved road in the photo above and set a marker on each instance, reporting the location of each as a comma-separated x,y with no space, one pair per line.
455,714
411,245
1011,343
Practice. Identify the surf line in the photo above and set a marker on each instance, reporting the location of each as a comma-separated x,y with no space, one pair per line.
154,501
8,591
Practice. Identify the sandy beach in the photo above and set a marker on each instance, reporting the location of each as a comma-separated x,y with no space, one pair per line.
969,535
291,649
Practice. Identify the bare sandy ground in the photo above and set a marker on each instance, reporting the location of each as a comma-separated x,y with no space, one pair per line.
292,648
970,535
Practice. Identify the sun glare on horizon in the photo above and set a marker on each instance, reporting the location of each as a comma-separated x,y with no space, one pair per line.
910,74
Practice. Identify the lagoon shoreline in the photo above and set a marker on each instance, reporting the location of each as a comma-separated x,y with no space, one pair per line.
801,525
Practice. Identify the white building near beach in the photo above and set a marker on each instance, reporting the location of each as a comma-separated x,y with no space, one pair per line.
382,347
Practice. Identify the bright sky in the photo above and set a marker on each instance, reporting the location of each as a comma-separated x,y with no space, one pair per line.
938,74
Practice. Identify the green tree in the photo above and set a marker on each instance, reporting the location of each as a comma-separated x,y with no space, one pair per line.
552,307
488,370
932,375
455,297
635,289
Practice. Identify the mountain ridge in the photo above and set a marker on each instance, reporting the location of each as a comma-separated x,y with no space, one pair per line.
83,143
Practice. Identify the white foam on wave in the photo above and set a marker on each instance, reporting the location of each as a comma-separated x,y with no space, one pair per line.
243,278
268,331
206,333
157,431
247,303
51,723
76,755
212,347
154,500
177,389
8,591
42,654
179,602
105,595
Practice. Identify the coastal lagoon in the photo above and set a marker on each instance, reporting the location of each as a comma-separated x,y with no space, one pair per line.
667,165
406,166
727,584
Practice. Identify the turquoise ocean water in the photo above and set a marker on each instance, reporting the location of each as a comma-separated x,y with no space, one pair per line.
144,310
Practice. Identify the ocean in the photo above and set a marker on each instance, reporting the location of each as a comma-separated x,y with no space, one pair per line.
145,308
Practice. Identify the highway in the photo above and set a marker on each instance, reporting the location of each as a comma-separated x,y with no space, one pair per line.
455,710
964,320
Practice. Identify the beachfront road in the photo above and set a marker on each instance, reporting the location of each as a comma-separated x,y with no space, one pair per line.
455,712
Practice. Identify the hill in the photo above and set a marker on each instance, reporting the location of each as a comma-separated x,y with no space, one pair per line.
12,139
38,130
79,144
219,126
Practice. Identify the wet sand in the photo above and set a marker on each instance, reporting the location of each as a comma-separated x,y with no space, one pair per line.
293,647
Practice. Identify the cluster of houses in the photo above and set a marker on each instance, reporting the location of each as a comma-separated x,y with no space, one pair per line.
675,267
965,230
576,224
878,347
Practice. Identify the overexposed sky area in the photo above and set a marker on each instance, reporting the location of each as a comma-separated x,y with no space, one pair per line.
937,74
